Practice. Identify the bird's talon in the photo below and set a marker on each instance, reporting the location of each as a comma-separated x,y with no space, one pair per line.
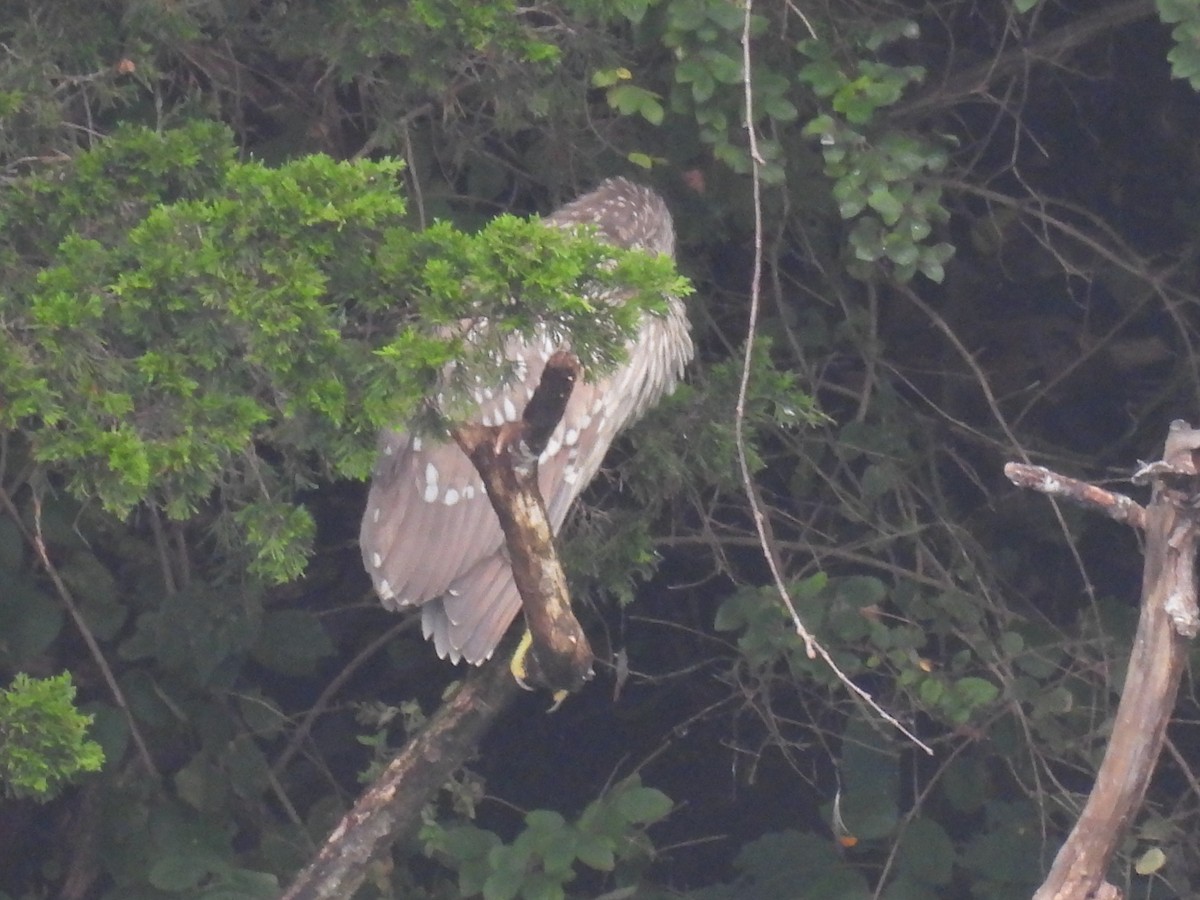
517,664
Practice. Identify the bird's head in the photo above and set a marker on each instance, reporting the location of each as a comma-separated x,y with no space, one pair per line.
626,215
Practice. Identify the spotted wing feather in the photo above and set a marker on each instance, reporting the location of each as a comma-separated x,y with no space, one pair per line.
429,535
429,528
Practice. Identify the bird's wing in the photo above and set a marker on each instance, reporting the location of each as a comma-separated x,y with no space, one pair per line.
468,621
429,535
472,614
425,503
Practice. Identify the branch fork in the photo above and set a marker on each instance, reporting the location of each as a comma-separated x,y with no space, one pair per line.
560,658
506,457
1168,620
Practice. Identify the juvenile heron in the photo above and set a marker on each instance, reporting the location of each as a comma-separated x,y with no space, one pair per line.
430,537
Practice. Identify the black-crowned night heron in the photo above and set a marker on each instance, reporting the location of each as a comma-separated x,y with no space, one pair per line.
429,535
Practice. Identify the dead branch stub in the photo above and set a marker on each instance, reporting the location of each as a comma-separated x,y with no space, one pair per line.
1168,618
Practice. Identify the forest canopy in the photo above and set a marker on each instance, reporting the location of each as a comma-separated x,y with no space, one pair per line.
231,237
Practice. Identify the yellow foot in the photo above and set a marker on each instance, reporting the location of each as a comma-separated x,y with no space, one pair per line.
517,664
520,671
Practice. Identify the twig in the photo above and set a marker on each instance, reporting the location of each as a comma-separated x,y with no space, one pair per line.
811,645
39,545
1168,618
1081,493
391,808
974,81
335,685
506,457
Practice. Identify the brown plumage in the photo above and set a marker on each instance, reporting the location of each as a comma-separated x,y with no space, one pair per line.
429,535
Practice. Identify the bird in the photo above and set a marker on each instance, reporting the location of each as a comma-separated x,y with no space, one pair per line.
429,536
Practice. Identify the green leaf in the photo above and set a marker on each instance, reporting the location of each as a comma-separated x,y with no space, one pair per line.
652,111
633,10
1172,11
1011,643
965,783
503,885
885,203
728,16
1150,861
629,99
860,591
176,874
558,851
824,77
596,851
927,853
703,87
609,77
242,884
643,805
29,621
43,738
545,820
1056,701
976,691
780,109
687,15
723,67
931,692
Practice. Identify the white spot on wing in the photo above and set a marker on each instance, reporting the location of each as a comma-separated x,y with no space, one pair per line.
431,492
385,590
416,445
376,560
375,514
571,437
451,497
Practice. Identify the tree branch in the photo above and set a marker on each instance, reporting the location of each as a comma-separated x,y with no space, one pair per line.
1050,48
38,542
1097,499
506,458
1168,616
391,808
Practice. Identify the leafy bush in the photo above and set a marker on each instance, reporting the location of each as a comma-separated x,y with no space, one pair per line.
43,737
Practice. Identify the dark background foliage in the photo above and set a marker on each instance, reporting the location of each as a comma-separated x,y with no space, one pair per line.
980,241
